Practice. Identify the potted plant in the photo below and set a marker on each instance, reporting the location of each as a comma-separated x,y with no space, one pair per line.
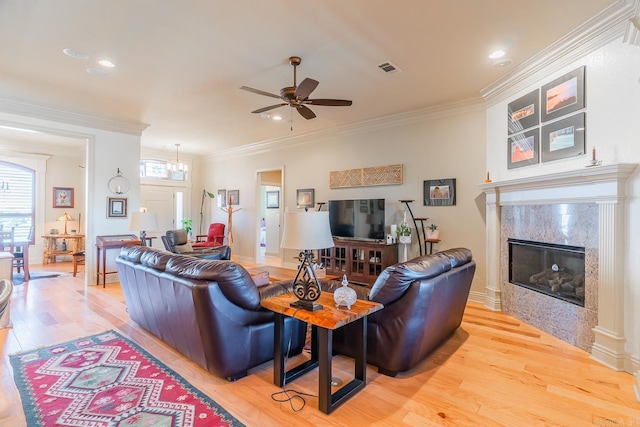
186,224
404,234
433,233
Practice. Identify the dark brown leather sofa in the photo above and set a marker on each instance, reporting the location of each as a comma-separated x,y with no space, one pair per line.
207,310
424,300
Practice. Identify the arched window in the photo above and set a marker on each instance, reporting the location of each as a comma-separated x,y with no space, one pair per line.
17,198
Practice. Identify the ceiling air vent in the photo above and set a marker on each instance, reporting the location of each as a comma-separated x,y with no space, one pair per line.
389,67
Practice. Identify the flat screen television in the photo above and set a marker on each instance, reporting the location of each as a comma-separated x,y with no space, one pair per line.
357,219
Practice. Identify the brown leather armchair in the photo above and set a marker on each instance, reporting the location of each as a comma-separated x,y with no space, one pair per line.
176,241
424,301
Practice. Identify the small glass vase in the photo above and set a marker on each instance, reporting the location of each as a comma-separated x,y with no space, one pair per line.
345,295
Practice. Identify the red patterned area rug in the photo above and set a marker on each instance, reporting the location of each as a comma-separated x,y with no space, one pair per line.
107,380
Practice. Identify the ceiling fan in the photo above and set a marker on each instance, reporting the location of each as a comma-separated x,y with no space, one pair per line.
298,96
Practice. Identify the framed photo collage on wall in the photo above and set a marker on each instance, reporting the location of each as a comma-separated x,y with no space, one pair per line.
548,123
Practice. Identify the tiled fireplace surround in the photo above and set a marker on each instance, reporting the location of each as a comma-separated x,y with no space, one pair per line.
580,208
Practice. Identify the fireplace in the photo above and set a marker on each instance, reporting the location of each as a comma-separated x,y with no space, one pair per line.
552,269
584,207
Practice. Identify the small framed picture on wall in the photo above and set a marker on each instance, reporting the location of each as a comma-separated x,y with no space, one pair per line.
62,197
116,207
305,198
273,199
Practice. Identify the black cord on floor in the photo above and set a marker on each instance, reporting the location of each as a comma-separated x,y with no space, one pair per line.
290,395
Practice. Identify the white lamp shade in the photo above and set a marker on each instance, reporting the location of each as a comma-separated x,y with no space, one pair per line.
143,221
306,231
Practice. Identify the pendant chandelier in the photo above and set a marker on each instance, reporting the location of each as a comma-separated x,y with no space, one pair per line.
177,166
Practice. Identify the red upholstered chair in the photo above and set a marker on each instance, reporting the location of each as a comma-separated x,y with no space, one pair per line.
214,237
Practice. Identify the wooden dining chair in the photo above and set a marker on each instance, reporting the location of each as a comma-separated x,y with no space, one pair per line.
19,252
7,244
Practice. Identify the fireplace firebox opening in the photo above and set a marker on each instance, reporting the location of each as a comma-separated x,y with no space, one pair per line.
552,269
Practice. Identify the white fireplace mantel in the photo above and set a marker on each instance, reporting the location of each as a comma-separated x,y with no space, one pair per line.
603,185
591,184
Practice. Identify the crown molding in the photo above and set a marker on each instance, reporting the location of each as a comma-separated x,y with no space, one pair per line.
598,31
380,123
632,32
52,114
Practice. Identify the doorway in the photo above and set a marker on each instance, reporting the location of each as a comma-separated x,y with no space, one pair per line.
167,203
269,218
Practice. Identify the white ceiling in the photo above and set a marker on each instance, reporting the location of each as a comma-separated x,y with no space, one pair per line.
180,64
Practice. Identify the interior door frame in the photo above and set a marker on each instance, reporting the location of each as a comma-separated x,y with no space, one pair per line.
261,204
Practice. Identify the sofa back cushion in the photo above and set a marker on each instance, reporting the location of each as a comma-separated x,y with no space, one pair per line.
156,259
395,279
233,279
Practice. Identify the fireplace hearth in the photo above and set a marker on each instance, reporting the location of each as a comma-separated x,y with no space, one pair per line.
552,269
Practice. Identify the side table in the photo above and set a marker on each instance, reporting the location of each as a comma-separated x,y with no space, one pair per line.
114,241
323,322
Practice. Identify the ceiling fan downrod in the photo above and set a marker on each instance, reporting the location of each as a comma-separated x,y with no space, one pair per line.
295,61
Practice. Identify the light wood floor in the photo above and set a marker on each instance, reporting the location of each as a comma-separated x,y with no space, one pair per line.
495,371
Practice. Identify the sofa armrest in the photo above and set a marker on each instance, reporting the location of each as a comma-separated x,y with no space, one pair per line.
274,289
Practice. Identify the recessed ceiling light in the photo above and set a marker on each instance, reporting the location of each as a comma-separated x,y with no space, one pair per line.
503,63
497,54
106,63
277,118
75,53
96,72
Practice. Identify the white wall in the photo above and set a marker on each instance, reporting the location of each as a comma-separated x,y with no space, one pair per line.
447,144
107,150
612,125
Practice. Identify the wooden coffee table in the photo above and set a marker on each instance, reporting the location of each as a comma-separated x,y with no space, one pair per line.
323,323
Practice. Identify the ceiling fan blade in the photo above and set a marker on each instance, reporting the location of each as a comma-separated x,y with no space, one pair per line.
271,107
259,92
330,102
305,112
305,88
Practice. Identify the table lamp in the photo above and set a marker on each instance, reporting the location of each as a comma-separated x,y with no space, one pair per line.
66,218
306,231
143,222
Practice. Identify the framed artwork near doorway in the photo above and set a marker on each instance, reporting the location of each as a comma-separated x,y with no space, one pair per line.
305,198
62,197
222,198
116,207
273,199
234,197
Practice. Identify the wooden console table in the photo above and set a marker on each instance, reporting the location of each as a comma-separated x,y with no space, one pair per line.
75,243
103,243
